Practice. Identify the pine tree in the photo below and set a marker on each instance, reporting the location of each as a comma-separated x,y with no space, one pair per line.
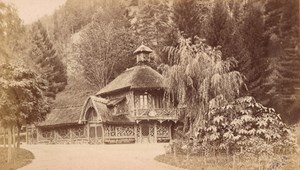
252,59
153,26
217,24
189,16
238,29
223,28
282,33
46,60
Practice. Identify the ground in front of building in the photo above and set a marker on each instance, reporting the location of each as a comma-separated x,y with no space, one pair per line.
104,157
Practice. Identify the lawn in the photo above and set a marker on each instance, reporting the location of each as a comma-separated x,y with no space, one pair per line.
21,157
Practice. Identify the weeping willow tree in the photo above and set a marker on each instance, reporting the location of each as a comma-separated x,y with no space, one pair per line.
200,80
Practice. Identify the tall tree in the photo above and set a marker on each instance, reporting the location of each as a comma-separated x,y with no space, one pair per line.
154,27
189,17
217,23
223,28
105,48
22,100
282,32
252,60
202,79
238,28
11,33
46,60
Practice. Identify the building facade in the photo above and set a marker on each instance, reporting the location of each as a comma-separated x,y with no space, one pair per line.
130,109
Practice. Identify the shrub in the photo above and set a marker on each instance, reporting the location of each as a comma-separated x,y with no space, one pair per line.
246,126
243,128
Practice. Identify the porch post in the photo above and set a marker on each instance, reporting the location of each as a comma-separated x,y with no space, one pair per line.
109,132
140,141
103,133
70,132
55,136
88,132
135,133
155,132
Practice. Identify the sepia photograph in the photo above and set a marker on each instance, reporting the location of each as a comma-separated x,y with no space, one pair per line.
149,85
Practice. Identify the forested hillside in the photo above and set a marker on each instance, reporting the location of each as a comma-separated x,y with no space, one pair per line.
95,40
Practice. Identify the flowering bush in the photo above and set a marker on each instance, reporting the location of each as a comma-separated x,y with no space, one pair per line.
246,126
244,134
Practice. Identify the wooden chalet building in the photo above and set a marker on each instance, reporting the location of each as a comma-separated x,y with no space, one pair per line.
130,109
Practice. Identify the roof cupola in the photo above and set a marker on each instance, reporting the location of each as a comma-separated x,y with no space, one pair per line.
142,54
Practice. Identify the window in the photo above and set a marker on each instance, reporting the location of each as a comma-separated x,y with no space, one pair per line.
99,131
158,103
92,132
144,101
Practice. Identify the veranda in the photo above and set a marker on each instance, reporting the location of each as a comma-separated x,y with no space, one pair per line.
93,133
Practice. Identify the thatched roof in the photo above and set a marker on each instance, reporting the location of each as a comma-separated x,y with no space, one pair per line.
67,106
78,114
62,116
75,93
142,48
138,77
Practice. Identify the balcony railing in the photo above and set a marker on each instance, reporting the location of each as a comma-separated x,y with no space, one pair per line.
153,113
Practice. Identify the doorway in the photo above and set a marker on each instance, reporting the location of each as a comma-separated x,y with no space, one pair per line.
145,133
95,134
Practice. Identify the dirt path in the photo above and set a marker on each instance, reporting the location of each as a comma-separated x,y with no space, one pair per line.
104,157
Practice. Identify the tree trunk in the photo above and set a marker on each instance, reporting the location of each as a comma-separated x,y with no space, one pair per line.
4,138
9,155
191,128
14,136
185,124
18,136
26,134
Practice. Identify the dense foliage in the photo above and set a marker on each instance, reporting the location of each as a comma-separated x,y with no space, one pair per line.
243,134
21,100
282,73
21,94
152,26
201,79
46,61
11,32
261,35
105,48
246,125
189,17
